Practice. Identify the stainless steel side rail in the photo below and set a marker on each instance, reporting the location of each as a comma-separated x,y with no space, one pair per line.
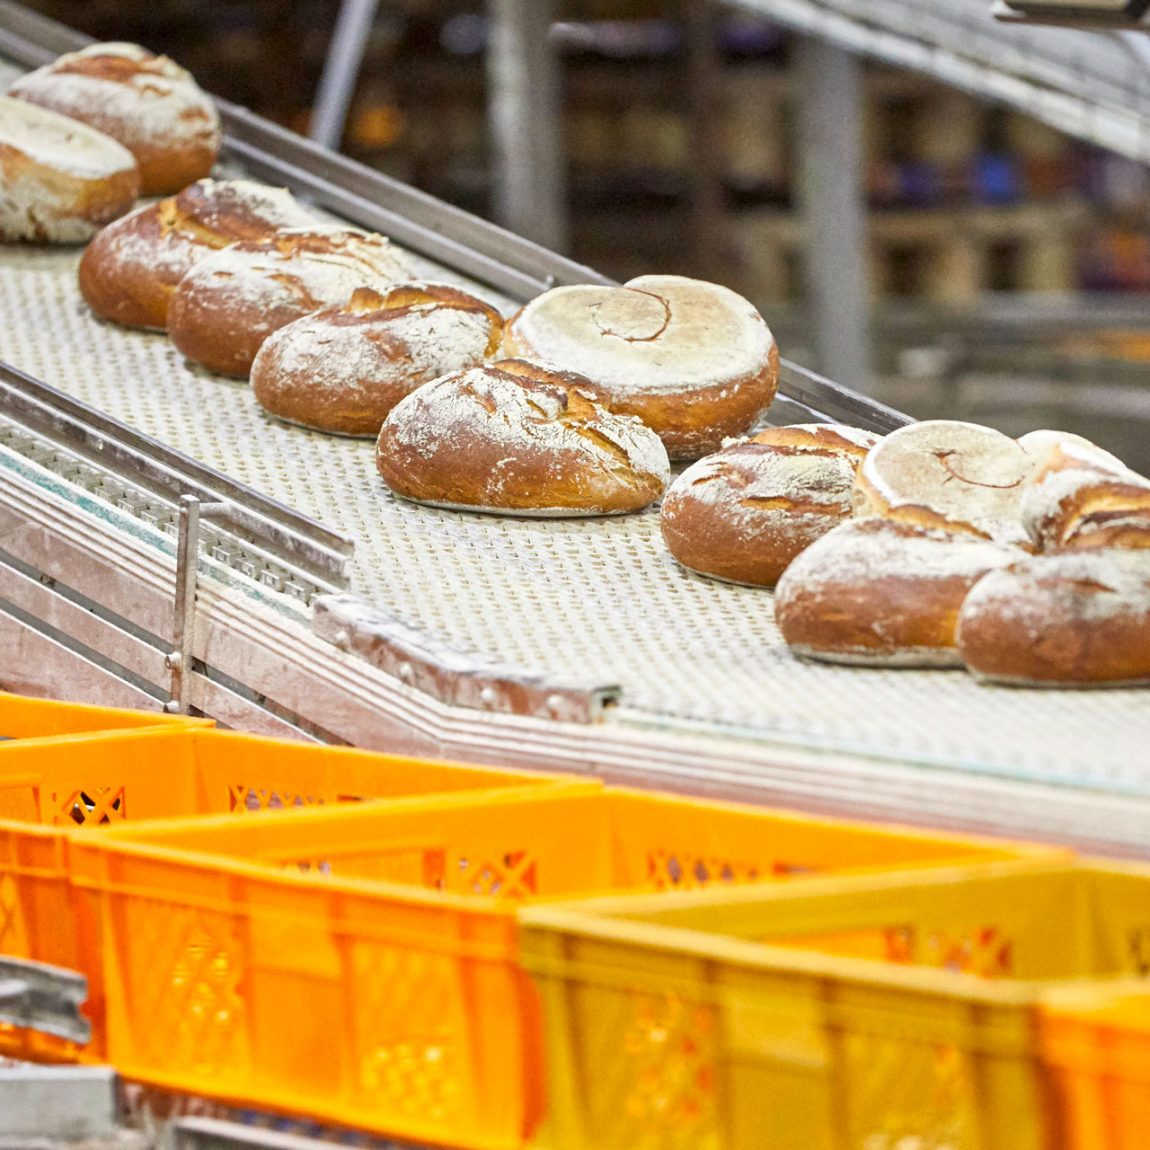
278,531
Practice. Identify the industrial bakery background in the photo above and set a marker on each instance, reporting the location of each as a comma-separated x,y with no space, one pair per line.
680,145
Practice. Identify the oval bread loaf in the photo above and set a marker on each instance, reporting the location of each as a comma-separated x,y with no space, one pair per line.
232,300
60,181
744,513
517,439
343,369
129,272
146,102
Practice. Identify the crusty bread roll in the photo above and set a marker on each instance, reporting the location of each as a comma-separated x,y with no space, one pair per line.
947,474
744,513
1081,498
60,180
692,360
345,368
146,102
518,439
883,592
130,270
1077,619
232,300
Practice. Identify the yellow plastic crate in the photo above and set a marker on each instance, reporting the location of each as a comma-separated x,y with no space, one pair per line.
23,718
861,1013
1096,1045
361,966
52,787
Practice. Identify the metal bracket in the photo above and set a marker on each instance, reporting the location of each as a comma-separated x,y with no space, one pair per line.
449,675
179,661
43,998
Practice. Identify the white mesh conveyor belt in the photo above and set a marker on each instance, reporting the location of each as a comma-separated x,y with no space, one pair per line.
592,600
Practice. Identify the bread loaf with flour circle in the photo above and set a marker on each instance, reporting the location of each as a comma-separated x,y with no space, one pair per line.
883,592
148,103
344,368
744,513
129,272
691,359
514,438
232,300
947,474
60,181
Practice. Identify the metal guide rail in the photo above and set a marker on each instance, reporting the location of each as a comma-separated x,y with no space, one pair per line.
574,644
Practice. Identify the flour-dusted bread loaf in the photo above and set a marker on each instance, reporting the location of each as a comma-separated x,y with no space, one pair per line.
745,512
1075,619
692,360
948,474
146,102
517,439
232,300
1082,498
129,272
343,369
883,592
60,181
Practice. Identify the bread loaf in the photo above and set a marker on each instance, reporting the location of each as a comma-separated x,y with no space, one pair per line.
232,300
130,270
882,592
745,512
146,102
518,439
1077,619
1081,498
343,369
692,360
60,181
947,474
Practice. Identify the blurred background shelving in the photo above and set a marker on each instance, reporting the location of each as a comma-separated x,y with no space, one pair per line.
982,222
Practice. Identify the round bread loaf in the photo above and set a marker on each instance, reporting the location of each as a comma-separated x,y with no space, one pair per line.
130,270
742,514
146,102
882,592
518,439
1081,498
60,181
692,360
1078,619
232,300
947,474
343,369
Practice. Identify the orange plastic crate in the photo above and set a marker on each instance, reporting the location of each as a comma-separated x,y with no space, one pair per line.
49,788
361,966
23,718
1096,1045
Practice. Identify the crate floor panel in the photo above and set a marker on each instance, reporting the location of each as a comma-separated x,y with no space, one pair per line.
590,600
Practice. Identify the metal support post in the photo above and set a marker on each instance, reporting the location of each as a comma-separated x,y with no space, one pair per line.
179,661
524,112
341,70
707,152
833,202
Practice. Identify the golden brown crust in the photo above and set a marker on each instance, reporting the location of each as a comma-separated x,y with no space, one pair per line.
147,103
690,359
60,180
879,592
232,300
745,512
344,368
1074,619
519,439
1082,500
129,272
